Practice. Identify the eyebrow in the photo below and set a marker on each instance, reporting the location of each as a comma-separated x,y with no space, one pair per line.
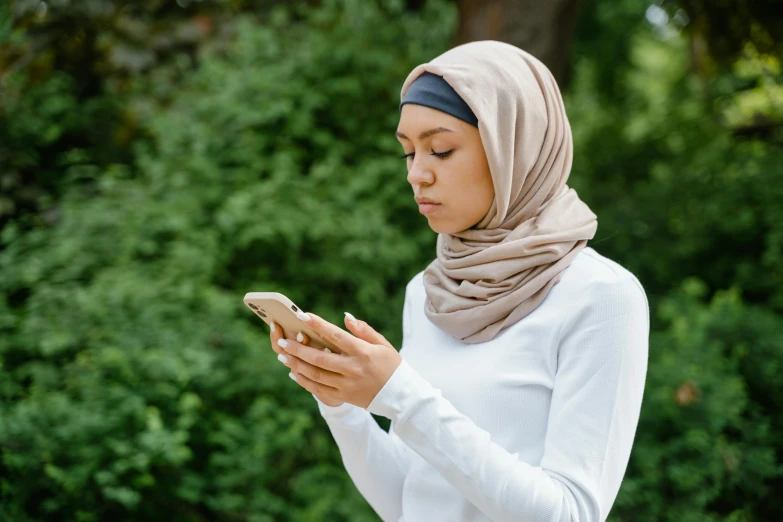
426,133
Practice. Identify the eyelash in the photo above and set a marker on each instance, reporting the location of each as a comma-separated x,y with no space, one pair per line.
440,155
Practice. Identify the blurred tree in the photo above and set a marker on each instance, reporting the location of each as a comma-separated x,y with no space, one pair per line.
133,383
724,28
693,208
87,53
544,29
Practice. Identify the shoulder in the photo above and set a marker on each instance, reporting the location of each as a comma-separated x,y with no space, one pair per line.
601,289
598,278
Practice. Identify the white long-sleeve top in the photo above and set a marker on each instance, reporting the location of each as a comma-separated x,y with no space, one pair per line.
535,425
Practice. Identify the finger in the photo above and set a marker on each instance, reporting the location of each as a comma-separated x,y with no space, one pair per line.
314,373
315,387
345,341
275,333
364,331
305,339
330,362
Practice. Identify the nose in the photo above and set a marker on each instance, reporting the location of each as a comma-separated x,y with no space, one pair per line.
419,173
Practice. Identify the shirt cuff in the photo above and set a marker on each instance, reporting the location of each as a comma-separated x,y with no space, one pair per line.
342,410
404,390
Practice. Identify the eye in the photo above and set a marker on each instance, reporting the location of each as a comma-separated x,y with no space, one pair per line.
439,155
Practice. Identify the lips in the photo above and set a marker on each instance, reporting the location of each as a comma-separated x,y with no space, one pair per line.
428,208
426,205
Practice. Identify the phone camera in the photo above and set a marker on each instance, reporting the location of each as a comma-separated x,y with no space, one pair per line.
251,305
293,307
262,314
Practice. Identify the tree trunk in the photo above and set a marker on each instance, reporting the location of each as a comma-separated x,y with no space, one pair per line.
544,28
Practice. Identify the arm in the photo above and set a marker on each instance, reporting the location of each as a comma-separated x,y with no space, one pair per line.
376,461
594,411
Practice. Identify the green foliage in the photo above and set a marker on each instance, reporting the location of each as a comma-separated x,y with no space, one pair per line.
726,26
678,194
694,210
754,101
709,430
134,383
74,109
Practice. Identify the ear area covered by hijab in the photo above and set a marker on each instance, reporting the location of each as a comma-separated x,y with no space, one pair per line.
488,277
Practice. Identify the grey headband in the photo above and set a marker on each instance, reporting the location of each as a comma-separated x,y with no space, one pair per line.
431,90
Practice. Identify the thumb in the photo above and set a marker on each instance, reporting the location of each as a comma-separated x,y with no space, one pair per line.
364,331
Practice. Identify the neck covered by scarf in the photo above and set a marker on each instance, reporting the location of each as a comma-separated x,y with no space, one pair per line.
488,277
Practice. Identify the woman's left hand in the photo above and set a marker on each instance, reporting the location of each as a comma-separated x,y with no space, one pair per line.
355,376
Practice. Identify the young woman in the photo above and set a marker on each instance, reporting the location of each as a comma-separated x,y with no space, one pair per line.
517,390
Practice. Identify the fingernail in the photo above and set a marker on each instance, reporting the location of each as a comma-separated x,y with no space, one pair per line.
327,350
300,337
350,317
272,325
291,374
303,316
283,343
282,358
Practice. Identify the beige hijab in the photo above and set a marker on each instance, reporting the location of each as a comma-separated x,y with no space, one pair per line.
490,276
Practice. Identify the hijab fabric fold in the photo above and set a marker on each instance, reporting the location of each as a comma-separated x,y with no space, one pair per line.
488,277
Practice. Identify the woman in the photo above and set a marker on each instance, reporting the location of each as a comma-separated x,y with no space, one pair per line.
517,390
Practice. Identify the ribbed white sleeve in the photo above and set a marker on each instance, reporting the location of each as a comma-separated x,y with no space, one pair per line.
376,461
596,399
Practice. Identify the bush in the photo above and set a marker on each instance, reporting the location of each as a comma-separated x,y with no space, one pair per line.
693,209
135,385
707,441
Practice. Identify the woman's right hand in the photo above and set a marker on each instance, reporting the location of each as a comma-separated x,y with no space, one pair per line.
275,333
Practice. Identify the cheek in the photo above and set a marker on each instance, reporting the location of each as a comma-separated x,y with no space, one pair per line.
474,173
470,191
487,189
475,190
484,178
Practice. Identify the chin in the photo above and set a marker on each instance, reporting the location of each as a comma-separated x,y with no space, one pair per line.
445,227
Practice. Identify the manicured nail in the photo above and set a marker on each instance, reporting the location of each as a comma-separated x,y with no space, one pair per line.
282,358
303,316
327,350
272,325
300,337
282,342
291,374
350,317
